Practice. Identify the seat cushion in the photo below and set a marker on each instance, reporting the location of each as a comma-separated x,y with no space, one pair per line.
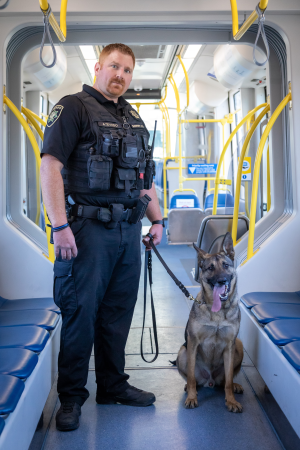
32,338
29,303
267,312
292,353
42,318
17,362
283,331
11,389
257,298
2,423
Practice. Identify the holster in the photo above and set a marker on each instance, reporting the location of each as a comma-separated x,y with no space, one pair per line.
140,209
116,210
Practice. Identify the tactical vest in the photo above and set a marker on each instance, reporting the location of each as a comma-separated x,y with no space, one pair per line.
118,158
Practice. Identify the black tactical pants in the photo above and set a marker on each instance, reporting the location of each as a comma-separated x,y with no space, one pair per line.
96,293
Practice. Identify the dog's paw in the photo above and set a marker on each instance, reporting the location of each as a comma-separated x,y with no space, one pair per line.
191,403
234,406
238,388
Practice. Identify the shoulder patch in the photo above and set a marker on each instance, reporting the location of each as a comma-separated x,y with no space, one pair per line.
134,113
54,115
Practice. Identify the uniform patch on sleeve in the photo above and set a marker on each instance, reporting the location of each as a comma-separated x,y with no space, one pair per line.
54,115
134,113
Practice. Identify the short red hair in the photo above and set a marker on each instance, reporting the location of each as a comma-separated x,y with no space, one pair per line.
122,48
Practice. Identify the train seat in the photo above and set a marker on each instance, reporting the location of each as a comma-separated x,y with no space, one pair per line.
267,312
224,200
2,423
29,303
30,337
11,389
184,201
284,331
212,232
42,318
258,298
292,353
17,362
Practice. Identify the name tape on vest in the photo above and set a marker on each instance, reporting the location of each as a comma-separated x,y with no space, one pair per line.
137,126
109,124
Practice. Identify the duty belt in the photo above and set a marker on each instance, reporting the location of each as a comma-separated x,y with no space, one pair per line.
99,213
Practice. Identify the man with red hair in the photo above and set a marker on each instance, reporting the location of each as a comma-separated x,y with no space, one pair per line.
96,161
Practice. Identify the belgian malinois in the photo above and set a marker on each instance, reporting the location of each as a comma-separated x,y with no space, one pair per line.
212,354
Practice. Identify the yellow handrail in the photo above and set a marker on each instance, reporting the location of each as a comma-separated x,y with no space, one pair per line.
42,122
187,82
172,81
225,148
36,150
238,33
30,117
60,31
268,181
239,172
259,153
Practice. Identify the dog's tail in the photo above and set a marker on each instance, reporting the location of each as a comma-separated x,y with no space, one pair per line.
174,362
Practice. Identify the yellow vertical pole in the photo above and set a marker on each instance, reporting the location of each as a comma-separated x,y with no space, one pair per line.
268,180
165,187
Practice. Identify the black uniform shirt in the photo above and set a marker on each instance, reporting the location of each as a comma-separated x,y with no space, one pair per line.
71,126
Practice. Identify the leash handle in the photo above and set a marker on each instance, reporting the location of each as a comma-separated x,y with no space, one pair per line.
148,270
174,278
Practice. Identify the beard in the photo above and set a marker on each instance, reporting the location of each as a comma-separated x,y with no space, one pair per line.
117,88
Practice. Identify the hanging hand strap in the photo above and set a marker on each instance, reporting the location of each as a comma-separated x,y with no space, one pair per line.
5,4
148,266
261,30
47,32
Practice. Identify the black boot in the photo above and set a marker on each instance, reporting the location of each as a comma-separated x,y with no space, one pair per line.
67,417
131,397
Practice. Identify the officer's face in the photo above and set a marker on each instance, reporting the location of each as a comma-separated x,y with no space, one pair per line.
114,74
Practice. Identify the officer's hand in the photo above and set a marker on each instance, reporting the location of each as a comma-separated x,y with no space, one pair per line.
156,231
64,243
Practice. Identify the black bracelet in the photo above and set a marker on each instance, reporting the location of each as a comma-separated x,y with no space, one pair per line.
62,227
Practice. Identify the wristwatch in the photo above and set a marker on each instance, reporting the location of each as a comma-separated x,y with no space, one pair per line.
159,222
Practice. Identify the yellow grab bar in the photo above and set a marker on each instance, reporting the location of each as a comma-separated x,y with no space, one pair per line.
186,82
30,117
172,81
259,153
60,31
224,152
239,172
268,181
36,150
238,33
42,122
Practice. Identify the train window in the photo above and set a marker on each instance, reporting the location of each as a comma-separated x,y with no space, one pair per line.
237,102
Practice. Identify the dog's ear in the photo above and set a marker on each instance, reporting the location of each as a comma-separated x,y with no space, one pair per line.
201,254
227,246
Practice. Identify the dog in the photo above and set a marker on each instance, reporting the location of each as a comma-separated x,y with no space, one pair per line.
212,354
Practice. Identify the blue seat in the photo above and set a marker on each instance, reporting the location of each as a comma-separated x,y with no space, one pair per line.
17,362
191,199
224,200
29,303
31,337
258,298
42,318
2,423
11,389
292,353
283,331
267,312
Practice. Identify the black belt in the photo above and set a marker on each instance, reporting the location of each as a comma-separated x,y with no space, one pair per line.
98,213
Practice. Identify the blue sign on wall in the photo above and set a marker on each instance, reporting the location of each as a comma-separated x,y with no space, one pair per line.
202,169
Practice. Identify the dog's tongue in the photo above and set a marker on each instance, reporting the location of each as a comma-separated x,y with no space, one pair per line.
218,290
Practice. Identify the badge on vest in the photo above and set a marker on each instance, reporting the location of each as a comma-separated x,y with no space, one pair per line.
54,115
134,114
137,126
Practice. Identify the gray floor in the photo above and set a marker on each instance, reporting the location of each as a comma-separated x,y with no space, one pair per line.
167,423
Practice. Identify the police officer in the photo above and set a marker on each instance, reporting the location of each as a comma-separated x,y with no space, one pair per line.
96,157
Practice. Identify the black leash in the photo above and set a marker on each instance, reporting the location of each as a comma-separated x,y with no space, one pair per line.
148,266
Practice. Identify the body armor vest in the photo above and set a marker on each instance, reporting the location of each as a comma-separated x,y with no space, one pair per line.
118,158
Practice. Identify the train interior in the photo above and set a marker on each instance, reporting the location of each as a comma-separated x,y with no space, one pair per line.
225,152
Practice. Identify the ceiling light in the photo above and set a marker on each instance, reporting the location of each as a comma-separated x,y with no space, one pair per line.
87,51
192,51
